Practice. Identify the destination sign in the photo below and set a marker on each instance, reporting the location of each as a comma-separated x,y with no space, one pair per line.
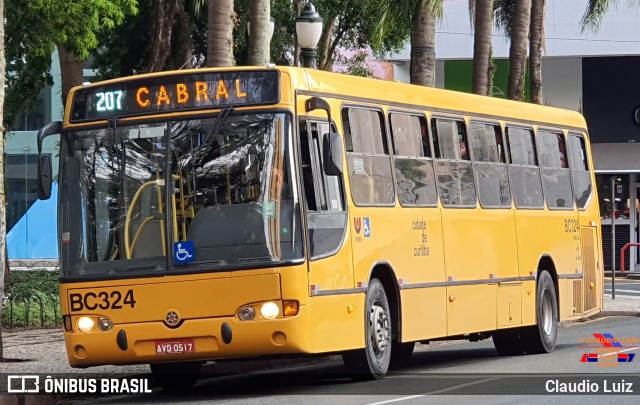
175,93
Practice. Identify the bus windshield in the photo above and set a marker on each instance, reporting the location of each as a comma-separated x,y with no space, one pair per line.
233,201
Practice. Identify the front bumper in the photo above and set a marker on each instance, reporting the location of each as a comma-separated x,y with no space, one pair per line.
248,339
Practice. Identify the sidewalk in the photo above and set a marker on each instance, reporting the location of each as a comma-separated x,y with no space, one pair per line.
43,351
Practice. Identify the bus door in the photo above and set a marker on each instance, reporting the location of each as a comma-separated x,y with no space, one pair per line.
329,258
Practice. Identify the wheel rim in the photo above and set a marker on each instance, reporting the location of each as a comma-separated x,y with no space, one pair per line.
547,313
379,328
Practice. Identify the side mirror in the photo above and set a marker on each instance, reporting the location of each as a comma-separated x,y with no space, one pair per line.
332,154
44,177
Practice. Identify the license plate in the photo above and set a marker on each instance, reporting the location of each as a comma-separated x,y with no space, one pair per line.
175,346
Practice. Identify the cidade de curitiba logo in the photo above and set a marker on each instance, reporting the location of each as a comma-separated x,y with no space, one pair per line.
33,384
607,350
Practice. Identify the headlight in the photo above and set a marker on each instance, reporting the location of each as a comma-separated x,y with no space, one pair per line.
85,324
246,313
105,324
269,310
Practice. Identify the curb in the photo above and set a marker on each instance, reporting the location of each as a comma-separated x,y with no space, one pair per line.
603,314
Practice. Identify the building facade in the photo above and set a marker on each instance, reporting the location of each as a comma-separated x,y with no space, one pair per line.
596,73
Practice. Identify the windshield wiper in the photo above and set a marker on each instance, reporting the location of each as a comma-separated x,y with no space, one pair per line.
207,143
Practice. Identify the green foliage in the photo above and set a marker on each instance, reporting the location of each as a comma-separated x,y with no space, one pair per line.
35,290
383,25
34,27
356,65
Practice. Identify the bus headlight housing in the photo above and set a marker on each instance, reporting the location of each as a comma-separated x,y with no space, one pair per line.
246,313
105,324
269,310
85,324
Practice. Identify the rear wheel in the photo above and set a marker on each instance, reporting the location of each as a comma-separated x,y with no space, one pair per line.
176,376
372,362
542,337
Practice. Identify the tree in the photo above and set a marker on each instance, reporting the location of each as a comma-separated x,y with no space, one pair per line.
36,27
419,17
382,25
220,33
260,37
482,16
519,32
536,42
423,42
3,224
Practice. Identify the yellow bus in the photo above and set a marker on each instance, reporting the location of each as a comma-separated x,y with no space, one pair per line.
309,212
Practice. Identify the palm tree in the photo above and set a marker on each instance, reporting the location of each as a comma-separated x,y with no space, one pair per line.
536,43
423,41
3,229
260,37
595,11
482,15
220,33
519,32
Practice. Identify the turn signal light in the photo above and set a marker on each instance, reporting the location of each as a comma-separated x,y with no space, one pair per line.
289,308
66,320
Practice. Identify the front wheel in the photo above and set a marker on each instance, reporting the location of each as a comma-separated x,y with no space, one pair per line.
542,337
372,362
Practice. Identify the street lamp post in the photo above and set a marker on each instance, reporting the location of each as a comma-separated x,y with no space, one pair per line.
308,30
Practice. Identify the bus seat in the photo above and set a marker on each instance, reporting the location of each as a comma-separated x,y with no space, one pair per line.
229,232
149,241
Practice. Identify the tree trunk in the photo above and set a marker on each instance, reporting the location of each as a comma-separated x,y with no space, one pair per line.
423,46
518,50
3,222
183,44
483,25
326,60
71,71
535,48
162,13
260,36
220,33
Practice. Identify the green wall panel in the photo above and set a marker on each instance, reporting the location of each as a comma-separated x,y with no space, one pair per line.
458,76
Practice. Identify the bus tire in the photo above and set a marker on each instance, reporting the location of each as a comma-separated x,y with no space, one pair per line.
176,377
372,362
542,337
508,343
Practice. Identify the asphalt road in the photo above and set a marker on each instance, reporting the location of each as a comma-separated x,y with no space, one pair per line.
444,373
624,287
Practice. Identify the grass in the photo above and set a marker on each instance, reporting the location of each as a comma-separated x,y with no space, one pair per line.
32,292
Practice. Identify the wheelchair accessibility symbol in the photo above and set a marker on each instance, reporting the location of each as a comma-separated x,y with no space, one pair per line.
183,252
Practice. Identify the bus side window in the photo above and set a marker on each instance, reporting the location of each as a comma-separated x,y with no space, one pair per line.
415,178
524,173
368,161
485,140
456,184
556,179
580,176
